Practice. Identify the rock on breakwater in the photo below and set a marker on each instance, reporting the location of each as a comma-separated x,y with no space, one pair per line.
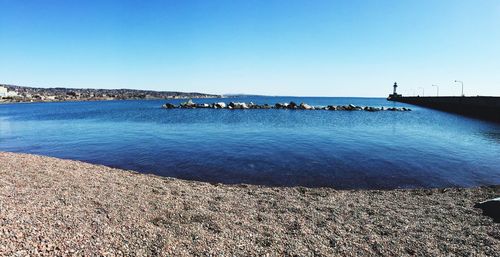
286,106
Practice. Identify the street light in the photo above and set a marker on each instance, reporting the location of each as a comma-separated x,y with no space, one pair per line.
423,90
461,82
437,87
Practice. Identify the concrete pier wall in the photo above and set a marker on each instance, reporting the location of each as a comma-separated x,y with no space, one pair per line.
481,107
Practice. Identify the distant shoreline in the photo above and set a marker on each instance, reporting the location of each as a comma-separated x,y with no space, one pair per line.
170,99
103,100
14,93
63,207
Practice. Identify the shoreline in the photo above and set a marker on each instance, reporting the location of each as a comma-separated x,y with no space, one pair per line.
102,100
64,207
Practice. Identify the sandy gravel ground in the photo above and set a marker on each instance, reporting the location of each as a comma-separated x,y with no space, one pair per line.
53,207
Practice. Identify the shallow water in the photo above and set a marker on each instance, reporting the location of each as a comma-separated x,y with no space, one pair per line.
341,149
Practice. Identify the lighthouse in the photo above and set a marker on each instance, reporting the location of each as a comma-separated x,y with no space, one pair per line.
394,92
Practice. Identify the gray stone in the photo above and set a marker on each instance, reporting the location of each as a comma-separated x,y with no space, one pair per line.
168,106
305,106
220,105
188,104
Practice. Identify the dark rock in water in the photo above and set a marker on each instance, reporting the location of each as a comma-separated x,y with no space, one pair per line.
241,106
351,107
331,108
168,106
305,106
292,105
371,109
280,105
219,105
236,105
188,104
202,106
490,208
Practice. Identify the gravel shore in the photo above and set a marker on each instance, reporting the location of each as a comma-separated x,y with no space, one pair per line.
50,206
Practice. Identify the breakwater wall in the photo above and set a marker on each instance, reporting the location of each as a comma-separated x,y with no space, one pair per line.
481,107
288,106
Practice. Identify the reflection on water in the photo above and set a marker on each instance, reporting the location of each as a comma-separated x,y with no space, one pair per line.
495,136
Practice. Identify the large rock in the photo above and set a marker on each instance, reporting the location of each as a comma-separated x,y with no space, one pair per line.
168,106
348,107
252,105
203,106
237,105
352,107
281,105
490,208
292,105
220,105
371,109
305,106
188,104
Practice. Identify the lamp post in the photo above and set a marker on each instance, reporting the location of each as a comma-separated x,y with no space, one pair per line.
423,90
461,82
437,87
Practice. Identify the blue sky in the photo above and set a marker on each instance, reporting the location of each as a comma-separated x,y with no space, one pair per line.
286,47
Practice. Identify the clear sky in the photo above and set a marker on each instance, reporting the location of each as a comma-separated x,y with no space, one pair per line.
286,47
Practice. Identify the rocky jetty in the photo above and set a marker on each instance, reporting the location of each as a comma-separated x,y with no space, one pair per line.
288,106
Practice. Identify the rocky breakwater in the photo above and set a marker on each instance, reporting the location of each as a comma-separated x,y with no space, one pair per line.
287,106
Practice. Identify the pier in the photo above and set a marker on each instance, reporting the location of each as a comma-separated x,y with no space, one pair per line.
480,107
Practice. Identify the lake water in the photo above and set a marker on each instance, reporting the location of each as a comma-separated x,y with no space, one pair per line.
340,149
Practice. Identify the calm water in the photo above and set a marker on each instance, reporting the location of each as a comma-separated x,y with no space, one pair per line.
422,148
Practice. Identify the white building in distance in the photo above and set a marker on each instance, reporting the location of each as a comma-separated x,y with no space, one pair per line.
5,93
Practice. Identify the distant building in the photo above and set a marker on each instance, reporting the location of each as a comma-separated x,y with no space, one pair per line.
3,91
6,93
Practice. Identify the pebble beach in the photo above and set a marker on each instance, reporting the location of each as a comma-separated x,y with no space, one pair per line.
55,207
